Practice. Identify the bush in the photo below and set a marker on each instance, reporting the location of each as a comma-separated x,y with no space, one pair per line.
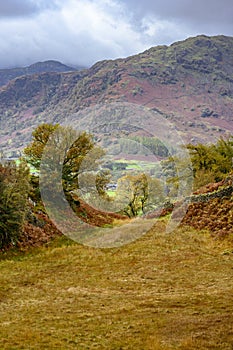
14,186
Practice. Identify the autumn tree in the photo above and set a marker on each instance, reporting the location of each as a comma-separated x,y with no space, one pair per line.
211,162
40,137
156,194
138,194
178,175
76,152
14,188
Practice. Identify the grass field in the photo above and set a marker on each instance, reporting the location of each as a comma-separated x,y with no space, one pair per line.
164,291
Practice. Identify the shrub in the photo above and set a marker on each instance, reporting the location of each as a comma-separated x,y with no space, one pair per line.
14,188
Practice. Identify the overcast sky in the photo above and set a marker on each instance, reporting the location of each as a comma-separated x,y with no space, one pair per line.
81,32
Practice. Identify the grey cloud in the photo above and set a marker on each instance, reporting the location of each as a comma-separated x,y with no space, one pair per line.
78,32
22,8
68,38
212,15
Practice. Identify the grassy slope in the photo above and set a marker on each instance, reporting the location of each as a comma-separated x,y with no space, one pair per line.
161,292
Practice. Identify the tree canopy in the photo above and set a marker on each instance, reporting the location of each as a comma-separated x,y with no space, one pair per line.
212,162
139,193
76,151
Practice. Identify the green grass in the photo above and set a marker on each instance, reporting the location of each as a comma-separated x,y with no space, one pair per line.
140,165
111,193
164,291
135,166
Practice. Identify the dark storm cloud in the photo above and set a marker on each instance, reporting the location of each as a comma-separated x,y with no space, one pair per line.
212,15
22,8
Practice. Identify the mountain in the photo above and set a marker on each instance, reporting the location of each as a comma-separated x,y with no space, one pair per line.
190,83
40,67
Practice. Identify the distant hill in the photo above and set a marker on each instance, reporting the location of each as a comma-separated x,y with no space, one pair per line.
40,67
190,83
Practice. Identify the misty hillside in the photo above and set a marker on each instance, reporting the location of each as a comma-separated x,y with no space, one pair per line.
39,67
190,83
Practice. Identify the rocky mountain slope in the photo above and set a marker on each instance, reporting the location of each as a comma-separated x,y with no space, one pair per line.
190,83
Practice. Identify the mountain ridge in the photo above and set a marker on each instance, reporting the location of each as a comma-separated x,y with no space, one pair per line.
8,74
189,82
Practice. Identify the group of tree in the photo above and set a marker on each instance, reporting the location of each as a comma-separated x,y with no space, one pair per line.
211,163
75,152
153,144
79,158
143,145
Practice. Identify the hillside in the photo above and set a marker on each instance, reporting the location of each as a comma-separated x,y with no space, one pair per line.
163,291
39,67
190,83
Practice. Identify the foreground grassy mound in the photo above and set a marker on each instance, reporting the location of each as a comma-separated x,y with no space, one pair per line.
164,291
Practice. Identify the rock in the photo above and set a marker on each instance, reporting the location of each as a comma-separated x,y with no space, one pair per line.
206,113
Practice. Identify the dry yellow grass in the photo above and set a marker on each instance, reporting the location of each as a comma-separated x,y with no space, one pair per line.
164,291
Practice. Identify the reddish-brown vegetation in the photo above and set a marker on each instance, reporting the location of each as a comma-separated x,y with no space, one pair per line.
39,229
37,233
95,217
214,214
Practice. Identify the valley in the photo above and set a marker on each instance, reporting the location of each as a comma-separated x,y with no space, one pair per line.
116,201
